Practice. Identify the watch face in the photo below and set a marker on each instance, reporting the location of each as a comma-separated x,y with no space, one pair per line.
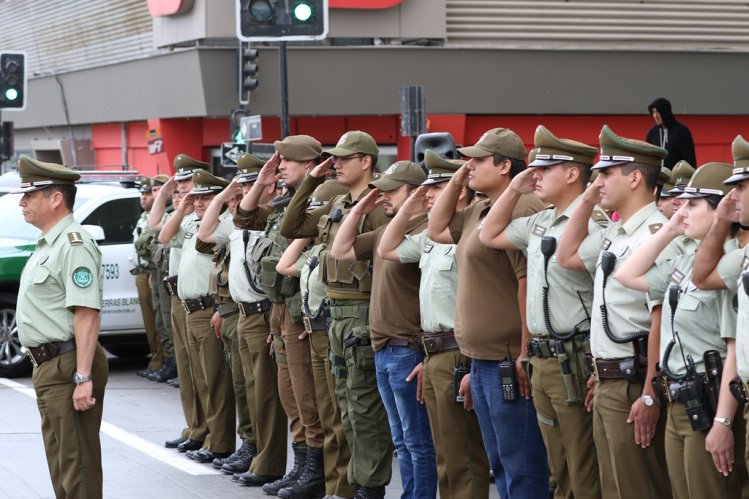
647,400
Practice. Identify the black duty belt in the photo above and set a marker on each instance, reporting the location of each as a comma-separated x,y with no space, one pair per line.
49,351
669,388
170,284
318,324
544,347
252,308
432,343
202,303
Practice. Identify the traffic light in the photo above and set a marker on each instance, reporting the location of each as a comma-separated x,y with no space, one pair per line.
6,140
247,72
12,80
278,20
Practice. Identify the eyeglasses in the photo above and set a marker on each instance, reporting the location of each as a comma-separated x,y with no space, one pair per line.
346,159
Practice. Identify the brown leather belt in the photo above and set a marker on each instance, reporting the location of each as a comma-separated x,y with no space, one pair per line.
400,342
202,303
170,284
432,343
48,351
258,307
615,369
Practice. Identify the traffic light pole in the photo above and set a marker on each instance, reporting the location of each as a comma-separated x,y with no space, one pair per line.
284,89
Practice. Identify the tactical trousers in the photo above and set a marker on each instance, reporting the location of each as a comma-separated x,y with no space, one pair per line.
266,412
335,447
362,413
299,372
285,388
567,430
462,465
162,306
71,438
690,466
627,470
149,320
197,429
212,381
236,373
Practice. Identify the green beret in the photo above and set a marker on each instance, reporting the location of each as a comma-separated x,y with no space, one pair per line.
616,151
501,141
740,150
160,179
551,150
325,192
440,169
184,166
205,183
248,166
398,174
708,180
37,175
355,142
299,148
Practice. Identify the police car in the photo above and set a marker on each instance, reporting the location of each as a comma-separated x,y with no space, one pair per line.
108,206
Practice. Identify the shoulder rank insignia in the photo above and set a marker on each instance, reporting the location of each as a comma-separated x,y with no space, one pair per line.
75,238
539,230
677,276
428,248
654,228
606,244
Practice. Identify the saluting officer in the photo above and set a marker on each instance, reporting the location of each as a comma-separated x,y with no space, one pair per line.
58,314
462,465
558,306
681,174
625,324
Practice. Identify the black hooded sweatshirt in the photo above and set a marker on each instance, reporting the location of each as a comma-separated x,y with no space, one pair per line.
675,137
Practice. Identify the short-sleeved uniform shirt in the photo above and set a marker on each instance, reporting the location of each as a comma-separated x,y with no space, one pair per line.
313,289
239,286
570,293
439,280
64,272
394,302
487,318
699,313
195,267
628,310
731,269
141,226
175,245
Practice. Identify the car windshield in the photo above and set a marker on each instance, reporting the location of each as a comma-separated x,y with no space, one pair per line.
12,224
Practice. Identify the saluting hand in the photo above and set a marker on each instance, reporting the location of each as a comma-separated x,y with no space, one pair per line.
728,208
675,224
187,204
83,398
461,176
524,182
322,169
416,203
368,203
230,191
592,194
268,174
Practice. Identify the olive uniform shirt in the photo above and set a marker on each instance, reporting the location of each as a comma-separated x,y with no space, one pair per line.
64,272
570,291
439,280
731,269
394,304
628,310
487,315
194,266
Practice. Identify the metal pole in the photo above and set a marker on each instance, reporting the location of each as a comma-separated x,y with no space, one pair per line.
284,90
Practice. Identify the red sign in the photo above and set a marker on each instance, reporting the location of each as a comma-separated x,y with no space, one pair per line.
164,8
363,4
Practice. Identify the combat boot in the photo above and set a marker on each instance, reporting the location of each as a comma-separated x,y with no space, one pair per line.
300,459
311,483
239,461
370,493
167,371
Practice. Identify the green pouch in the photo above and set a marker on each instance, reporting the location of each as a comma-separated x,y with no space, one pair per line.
294,306
270,280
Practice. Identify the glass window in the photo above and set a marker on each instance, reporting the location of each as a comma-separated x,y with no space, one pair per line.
117,218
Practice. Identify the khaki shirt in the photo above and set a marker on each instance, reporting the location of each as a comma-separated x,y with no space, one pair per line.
313,289
699,313
487,315
439,280
731,268
628,310
239,286
194,267
570,291
175,245
64,272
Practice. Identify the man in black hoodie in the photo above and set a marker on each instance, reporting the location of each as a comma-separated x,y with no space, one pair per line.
670,134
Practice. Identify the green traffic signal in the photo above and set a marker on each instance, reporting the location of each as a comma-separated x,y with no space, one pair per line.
261,11
11,94
302,12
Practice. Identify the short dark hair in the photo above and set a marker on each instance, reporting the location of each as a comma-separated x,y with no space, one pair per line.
374,161
516,165
713,200
649,173
68,194
583,168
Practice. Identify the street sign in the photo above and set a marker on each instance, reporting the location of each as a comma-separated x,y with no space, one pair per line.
251,128
230,152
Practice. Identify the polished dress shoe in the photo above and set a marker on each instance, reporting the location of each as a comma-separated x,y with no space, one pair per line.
188,445
250,479
172,444
206,456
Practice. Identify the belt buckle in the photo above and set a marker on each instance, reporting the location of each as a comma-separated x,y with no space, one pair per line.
595,368
307,324
184,305
33,359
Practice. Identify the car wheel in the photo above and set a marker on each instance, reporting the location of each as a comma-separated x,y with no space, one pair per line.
14,361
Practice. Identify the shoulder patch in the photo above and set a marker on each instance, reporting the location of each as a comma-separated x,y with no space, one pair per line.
654,228
75,238
82,277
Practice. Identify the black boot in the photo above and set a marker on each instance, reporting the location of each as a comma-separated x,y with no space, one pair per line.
300,459
311,484
167,371
239,461
370,493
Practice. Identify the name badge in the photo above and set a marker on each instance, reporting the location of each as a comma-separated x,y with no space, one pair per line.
188,235
428,248
539,230
677,276
606,244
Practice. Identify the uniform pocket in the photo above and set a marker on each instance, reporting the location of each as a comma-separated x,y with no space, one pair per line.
40,274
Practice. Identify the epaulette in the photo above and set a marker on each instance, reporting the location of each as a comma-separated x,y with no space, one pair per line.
655,227
75,238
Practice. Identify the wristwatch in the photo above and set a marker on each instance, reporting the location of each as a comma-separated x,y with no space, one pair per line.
723,421
80,378
648,401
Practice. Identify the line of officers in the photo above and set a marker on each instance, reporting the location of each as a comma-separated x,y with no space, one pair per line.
543,320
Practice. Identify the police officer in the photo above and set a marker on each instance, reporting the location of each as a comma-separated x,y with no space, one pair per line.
59,302
625,324
142,238
681,175
558,306
462,465
348,290
665,198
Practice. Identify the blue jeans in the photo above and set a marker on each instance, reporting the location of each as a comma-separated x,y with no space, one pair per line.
511,436
409,422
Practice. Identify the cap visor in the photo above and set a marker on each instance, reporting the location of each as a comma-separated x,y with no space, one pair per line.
432,181
608,164
735,179
340,152
545,162
386,184
184,176
474,152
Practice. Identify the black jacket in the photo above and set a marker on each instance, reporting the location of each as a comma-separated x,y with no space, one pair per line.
676,138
